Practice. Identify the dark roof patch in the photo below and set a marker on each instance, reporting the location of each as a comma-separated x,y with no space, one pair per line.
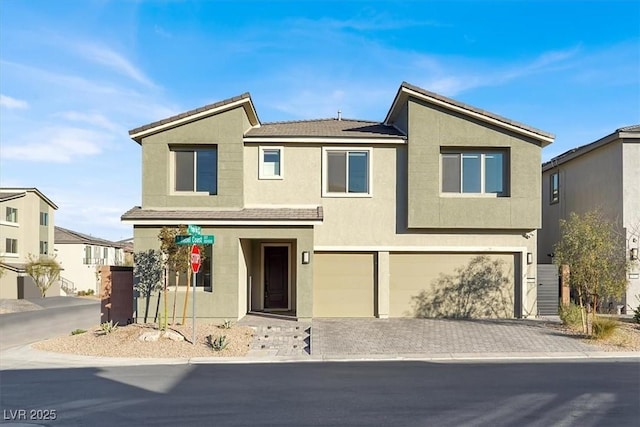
66,236
343,128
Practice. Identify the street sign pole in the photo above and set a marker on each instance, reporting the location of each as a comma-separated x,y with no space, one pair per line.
193,310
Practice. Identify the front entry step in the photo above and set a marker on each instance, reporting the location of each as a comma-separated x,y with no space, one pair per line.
282,340
278,336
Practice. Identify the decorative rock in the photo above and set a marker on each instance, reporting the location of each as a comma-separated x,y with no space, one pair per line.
173,336
150,336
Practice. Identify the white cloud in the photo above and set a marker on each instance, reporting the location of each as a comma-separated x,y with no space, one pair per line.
112,59
57,145
94,119
13,103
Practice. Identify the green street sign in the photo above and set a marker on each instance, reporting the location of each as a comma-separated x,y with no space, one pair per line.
194,230
207,239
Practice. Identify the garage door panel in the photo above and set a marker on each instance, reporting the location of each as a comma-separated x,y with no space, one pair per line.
452,285
343,285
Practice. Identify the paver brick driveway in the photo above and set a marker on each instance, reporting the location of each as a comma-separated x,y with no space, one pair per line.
333,337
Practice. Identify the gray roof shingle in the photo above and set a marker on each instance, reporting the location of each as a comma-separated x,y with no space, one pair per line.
258,214
343,128
66,236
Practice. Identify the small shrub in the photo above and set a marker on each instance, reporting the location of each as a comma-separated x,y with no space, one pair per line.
85,293
227,324
108,327
78,331
571,315
603,327
217,343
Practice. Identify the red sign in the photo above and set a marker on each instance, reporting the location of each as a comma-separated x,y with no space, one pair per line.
195,259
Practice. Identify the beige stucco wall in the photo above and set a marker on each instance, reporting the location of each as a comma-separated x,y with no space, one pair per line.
631,214
431,128
590,181
232,274
71,258
27,230
224,130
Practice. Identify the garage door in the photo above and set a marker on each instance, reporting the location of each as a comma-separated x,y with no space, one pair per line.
343,284
452,285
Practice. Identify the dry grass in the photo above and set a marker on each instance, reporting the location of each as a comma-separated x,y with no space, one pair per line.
124,342
626,337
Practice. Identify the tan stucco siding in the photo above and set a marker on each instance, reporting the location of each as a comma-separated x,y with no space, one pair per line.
588,182
224,130
430,285
233,272
431,129
343,285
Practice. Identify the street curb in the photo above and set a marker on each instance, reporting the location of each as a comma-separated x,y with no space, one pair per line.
26,357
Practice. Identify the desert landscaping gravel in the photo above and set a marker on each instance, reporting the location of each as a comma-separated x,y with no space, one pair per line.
125,342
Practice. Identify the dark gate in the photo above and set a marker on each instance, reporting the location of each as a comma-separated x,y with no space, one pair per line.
548,290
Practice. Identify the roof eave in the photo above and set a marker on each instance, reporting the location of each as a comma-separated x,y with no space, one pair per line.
242,101
406,91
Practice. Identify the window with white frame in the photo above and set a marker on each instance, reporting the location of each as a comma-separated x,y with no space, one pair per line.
87,255
271,163
346,172
44,247
475,172
12,214
11,246
554,181
44,218
196,169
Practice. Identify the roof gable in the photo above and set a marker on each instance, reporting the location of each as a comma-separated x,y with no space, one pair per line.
7,193
243,101
407,91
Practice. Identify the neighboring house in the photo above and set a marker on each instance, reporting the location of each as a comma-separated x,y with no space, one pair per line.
26,228
82,255
350,218
127,247
602,175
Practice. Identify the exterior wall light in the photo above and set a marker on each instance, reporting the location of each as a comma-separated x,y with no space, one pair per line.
633,255
305,257
529,258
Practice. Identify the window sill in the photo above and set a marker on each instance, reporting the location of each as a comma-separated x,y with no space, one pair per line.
473,195
347,195
10,224
9,255
191,194
271,178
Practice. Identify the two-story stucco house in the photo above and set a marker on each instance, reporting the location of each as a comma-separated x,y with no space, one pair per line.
81,256
603,175
432,211
26,228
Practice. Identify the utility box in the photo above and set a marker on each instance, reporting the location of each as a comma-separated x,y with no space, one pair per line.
116,294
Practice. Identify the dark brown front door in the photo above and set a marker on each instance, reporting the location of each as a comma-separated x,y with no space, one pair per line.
276,277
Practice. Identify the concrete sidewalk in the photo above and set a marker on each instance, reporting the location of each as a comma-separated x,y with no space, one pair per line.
435,340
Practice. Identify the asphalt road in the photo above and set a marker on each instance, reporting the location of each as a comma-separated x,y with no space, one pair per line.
579,393
59,316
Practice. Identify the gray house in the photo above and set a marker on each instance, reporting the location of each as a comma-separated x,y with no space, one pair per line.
350,218
603,175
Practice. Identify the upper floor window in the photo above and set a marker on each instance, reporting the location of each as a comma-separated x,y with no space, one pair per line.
271,166
12,214
554,181
87,255
44,218
346,172
105,253
11,246
475,172
196,169
44,247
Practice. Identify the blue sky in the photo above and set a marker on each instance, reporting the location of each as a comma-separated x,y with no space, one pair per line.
75,76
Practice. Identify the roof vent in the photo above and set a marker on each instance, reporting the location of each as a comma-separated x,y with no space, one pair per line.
339,115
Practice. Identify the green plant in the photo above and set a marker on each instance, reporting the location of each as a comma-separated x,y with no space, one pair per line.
603,327
108,327
78,331
217,343
636,312
571,315
227,324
